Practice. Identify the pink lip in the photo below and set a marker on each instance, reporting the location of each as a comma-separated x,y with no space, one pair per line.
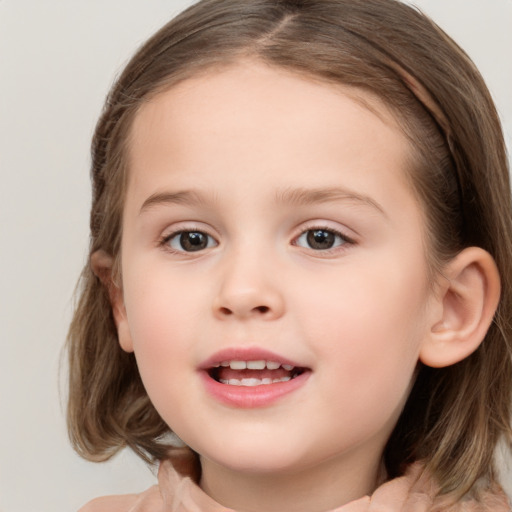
247,397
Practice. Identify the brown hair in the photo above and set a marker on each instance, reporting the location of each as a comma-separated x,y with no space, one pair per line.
455,415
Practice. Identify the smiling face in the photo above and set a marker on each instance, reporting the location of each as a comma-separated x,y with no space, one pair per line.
269,220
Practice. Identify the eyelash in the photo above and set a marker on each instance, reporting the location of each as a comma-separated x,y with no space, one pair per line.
167,239
343,240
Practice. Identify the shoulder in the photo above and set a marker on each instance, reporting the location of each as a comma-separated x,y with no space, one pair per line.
110,503
145,502
418,490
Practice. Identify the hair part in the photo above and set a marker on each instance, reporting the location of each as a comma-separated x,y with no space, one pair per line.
459,172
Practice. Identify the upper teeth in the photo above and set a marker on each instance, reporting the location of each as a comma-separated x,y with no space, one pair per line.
255,365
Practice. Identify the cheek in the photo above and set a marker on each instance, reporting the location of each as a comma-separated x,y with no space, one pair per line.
367,307
367,335
163,320
158,303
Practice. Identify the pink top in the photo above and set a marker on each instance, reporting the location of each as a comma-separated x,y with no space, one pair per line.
177,491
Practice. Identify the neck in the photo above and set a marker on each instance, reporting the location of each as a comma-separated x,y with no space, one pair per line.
318,489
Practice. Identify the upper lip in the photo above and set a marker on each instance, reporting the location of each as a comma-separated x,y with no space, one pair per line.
245,354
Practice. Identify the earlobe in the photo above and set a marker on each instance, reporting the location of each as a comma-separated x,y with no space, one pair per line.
102,265
468,296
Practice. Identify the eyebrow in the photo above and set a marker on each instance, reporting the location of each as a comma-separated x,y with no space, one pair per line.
291,196
305,196
187,197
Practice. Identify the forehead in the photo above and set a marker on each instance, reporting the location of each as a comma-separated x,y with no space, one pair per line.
248,103
244,82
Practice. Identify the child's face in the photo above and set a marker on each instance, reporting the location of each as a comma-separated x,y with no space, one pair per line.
270,218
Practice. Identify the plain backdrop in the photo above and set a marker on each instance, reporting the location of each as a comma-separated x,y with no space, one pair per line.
58,59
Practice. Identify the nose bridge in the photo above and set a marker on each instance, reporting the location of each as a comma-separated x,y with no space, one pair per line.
249,284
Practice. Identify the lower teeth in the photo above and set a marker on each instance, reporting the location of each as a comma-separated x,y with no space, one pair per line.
253,382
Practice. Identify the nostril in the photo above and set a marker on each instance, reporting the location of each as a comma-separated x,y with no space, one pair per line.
258,309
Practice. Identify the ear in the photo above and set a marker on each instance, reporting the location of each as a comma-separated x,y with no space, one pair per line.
102,264
468,295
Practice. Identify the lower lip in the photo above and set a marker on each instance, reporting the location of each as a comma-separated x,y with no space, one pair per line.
250,397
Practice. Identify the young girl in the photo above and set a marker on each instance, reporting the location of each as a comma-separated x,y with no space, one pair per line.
299,265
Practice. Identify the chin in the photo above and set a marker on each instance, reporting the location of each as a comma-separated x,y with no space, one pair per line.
262,465
259,458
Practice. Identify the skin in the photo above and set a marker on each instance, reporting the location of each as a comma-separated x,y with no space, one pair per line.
358,315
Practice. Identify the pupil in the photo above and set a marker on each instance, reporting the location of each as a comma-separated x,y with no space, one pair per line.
193,241
320,239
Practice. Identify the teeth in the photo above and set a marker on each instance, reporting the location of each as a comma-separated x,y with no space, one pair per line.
254,365
253,382
250,382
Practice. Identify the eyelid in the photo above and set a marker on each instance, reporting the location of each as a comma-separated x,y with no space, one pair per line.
189,225
349,234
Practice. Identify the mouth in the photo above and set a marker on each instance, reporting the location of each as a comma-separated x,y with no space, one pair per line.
250,373
249,377
252,377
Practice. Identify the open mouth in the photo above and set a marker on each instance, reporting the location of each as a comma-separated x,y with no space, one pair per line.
253,373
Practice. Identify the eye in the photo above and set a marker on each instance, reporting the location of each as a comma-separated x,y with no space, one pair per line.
321,239
190,241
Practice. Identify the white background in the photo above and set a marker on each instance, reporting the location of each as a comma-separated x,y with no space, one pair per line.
58,58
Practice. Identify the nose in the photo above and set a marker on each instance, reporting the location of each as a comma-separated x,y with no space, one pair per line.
249,289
